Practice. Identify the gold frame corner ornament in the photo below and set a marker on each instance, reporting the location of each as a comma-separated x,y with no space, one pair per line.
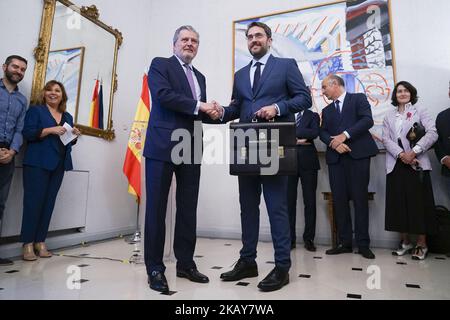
41,55
91,12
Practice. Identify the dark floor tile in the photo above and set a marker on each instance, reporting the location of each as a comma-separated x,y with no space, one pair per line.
354,296
83,265
81,281
227,244
244,284
217,267
400,262
169,293
357,269
317,257
12,271
304,276
415,286
198,256
270,262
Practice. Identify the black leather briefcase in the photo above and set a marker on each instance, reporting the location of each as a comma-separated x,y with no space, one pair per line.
263,148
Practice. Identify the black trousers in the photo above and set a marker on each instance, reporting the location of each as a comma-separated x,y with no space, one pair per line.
349,180
308,179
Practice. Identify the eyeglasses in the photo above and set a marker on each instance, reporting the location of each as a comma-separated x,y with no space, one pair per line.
257,36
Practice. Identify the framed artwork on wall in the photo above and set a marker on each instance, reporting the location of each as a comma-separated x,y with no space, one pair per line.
352,39
66,66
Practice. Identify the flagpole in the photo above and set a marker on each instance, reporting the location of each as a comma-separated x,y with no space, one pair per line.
136,237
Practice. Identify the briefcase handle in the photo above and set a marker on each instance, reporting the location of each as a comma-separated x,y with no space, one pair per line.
255,119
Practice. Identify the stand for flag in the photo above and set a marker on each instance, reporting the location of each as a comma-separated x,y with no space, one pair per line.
136,237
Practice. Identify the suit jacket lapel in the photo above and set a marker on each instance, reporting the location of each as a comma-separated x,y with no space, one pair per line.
246,80
182,76
267,70
407,124
202,85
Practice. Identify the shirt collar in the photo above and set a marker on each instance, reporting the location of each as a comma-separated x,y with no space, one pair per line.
3,85
263,59
182,63
341,98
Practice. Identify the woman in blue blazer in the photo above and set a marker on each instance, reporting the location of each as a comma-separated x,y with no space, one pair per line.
46,159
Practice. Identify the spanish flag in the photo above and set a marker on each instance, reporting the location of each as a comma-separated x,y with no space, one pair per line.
132,164
96,114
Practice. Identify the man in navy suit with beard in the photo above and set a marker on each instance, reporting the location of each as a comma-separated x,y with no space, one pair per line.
268,88
345,130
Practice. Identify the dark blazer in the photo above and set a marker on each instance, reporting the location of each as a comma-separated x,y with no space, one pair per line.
281,83
308,128
356,119
442,146
172,107
44,153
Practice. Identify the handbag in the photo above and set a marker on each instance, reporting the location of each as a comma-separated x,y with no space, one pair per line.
416,133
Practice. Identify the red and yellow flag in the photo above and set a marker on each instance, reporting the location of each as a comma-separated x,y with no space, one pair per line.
132,164
95,108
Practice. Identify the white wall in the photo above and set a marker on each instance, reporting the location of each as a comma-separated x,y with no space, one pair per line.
110,209
421,54
422,57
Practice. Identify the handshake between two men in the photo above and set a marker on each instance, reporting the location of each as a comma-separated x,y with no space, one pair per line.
215,111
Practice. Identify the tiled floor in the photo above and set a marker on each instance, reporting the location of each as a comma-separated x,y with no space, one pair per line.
312,276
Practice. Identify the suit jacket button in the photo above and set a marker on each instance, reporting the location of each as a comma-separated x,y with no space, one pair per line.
253,100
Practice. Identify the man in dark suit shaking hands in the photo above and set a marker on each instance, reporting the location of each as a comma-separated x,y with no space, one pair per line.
345,130
267,88
178,93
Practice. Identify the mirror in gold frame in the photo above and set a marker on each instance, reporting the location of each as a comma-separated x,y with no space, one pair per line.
77,49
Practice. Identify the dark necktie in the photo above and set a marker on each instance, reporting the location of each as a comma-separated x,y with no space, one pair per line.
191,81
299,117
256,76
337,106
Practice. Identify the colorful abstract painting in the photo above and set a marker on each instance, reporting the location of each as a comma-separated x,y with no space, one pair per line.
66,67
349,38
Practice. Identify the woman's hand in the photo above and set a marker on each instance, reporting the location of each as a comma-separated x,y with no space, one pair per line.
408,157
76,131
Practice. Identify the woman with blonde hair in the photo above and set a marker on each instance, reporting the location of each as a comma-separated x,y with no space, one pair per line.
45,161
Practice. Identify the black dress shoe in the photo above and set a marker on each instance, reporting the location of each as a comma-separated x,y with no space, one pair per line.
158,281
192,274
309,245
240,271
339,249
275,280
366,253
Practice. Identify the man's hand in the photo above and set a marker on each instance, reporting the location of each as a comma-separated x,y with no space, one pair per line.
213,109
343,148
446,161
6,155
303,142
267,112
337,140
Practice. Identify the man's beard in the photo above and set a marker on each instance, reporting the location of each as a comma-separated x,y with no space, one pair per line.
13,78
